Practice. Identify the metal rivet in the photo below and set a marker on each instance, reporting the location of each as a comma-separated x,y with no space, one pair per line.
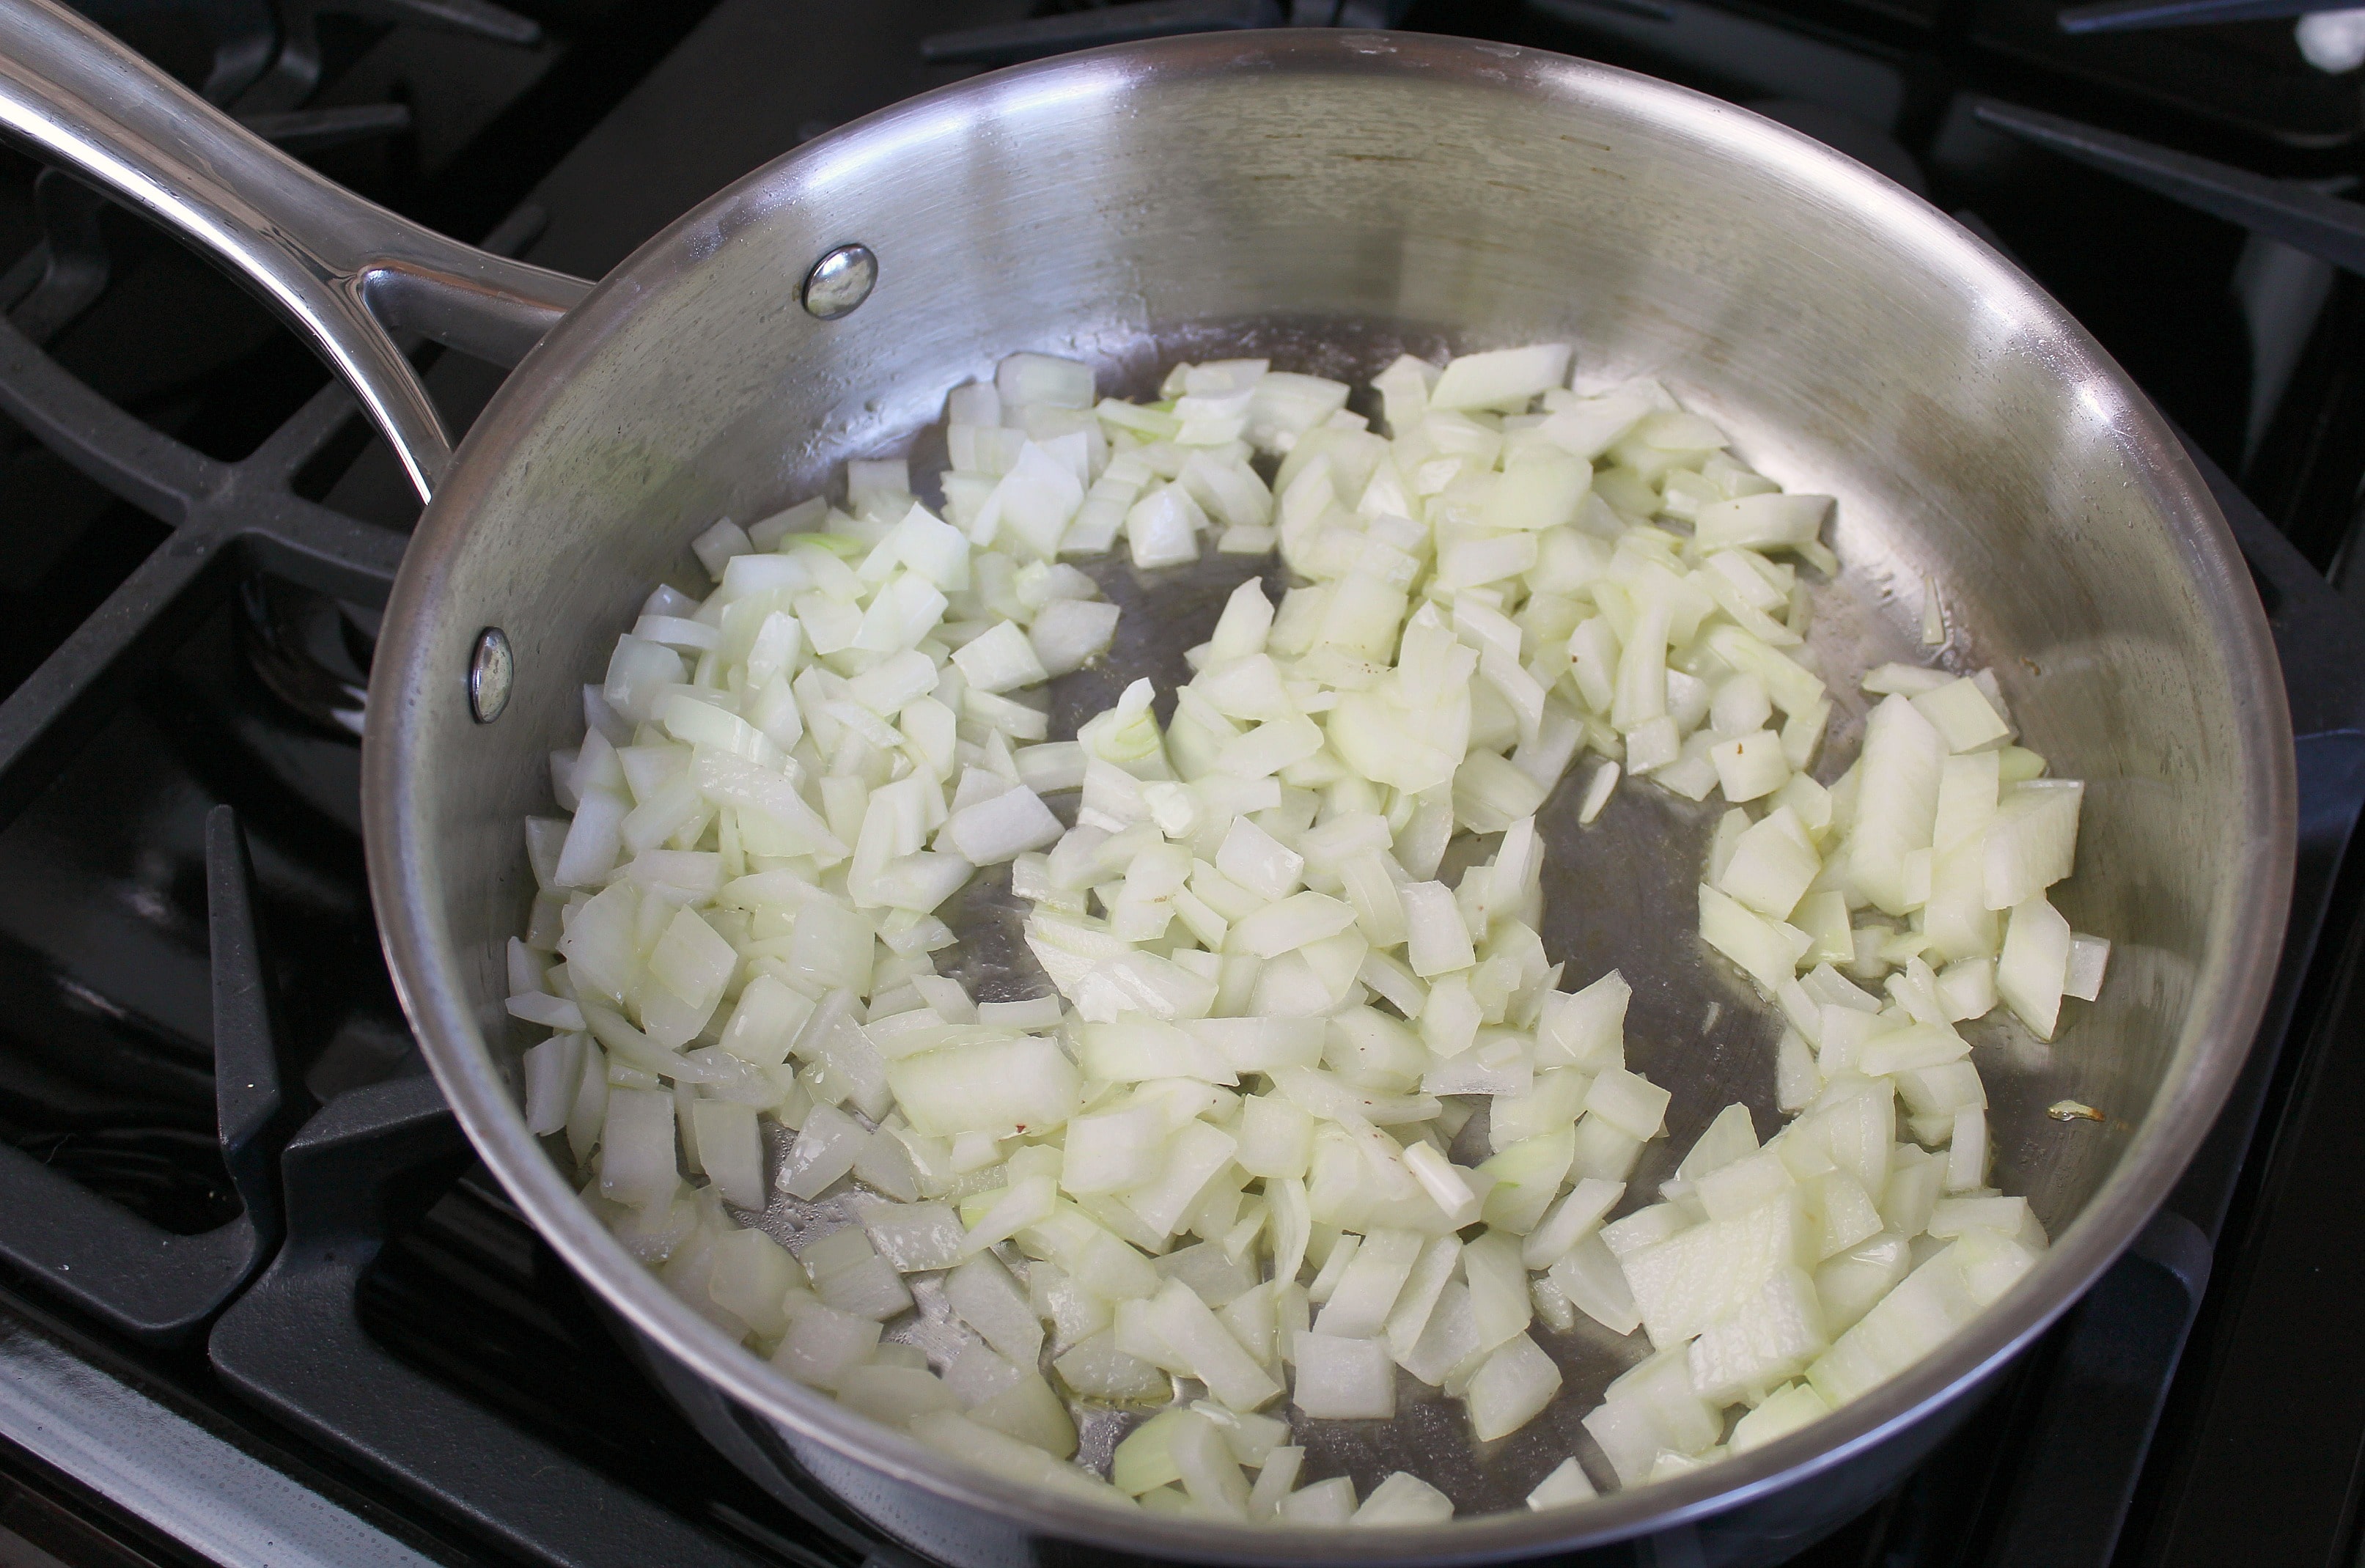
840,281
490,669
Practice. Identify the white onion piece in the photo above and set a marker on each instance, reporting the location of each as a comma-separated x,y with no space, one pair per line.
2033,840
1404,1498
1343,1378
824,1345
1330,1502
1571,1220
1001,828
1275,1479
893,1395
1784,1411
2033,972
1566,1483
915,1237
1358,1306
1500,377
1424,1286
554,1071
752,1278
731,1151
824,1150
2089,958
1511,1388
848,1275
1211,1354
986,1298
1205,1466
1096,1369
636,1148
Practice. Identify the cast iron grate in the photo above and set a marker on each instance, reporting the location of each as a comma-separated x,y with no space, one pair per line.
376,1168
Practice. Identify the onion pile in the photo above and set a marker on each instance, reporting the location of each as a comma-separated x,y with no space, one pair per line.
1211,1175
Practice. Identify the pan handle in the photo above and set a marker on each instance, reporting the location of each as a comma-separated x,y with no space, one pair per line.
344,271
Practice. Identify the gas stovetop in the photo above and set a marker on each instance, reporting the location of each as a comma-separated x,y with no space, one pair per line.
256,1303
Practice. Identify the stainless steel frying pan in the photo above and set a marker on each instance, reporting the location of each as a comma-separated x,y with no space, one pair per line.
1323,198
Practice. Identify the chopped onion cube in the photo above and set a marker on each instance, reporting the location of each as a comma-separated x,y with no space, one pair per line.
1511,1388
2089,957
2034,970
1330,1502
1566,1483
1575,1216
1404,1498
1345,1378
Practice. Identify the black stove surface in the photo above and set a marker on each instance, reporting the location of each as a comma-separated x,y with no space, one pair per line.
357,1353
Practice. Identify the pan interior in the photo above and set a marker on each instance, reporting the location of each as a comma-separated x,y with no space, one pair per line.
1328,208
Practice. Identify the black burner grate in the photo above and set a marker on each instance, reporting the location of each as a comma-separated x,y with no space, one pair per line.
392,1331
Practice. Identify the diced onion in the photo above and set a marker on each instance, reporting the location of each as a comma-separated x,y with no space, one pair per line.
1276,997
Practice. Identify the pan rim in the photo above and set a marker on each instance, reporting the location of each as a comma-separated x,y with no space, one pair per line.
2228,999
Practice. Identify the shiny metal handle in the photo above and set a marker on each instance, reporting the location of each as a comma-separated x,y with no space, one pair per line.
345,271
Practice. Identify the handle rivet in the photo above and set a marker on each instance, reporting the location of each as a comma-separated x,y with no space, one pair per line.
840,281
490,670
